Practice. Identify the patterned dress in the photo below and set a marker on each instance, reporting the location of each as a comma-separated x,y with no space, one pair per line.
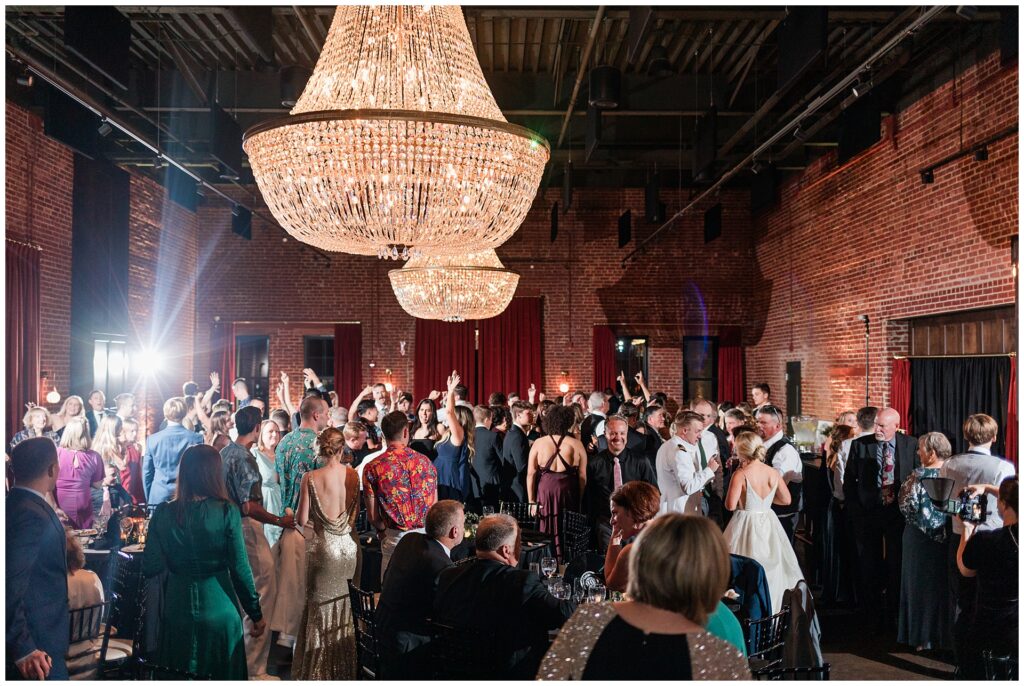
926,613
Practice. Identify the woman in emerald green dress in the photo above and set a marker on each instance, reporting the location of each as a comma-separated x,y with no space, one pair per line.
197,538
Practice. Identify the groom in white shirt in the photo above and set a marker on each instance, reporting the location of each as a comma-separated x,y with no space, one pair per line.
684,476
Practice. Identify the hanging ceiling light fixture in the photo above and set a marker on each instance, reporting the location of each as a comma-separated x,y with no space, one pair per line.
396,146
454,288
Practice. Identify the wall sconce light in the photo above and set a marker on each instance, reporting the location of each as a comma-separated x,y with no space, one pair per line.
52,396
564,386
388,386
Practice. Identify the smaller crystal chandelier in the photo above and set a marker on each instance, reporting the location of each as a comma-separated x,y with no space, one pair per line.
454,288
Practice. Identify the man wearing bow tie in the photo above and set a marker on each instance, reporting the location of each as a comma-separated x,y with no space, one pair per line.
685,473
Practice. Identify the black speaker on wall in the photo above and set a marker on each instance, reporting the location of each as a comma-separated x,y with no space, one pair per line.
713,223
625,228
860,126
764,187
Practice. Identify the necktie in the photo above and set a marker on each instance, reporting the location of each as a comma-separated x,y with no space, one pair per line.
704,465
616,475
888,475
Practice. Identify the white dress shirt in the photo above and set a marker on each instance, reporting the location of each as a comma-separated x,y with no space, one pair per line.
680,477
367,460
839,472
442,412
787,461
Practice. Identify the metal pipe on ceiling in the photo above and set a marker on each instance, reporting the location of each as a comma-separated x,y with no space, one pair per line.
588,50
926,16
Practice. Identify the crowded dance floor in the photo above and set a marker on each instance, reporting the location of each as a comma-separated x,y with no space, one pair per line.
500,342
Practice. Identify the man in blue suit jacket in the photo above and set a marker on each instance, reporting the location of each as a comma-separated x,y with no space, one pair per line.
37,572
163,453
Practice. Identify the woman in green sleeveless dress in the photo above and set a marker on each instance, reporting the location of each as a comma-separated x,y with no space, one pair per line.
197,538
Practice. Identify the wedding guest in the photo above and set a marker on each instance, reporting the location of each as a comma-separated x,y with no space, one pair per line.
491,594
399,487
338,416
218,435
163,453
875,471
295,455
607,471
84,590
283,421
244,485
633,506
515,453
991,559
497,398
977,466
593,425
761,394
105,443
263,451
72,407
685,473
635,441
785,458
865,421
367,414
36,567
131,466
925,620
240,389
97,400
37,423
837,542
407,596
678,571
81,470
455,452
425,431
847,419
124,404
487,459
198,539
501,422
556,475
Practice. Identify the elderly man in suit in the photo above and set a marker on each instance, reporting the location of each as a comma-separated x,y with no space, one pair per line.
407,597
875,470
491,594
163,453
37,583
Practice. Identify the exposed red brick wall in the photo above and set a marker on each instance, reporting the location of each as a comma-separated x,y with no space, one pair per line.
37,193
870,238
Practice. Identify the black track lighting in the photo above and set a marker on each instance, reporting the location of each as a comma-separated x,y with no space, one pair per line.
25,79
799,133
927,176
981,154
757,167
105,128
225,174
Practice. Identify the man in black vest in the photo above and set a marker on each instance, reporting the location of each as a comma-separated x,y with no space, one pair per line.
785,458
876,469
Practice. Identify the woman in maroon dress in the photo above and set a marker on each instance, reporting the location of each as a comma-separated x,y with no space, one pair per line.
557,471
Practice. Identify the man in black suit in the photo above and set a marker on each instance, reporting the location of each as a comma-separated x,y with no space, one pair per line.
515,453
486,470
876,469
634,439
592,427
94,415
492,595
602,481
407,597
37,583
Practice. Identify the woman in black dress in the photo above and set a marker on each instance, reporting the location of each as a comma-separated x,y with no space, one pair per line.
425,430
678,570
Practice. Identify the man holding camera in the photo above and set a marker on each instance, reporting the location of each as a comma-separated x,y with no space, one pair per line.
875,471
977,466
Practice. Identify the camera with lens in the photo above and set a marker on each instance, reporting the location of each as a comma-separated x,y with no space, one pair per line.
968,507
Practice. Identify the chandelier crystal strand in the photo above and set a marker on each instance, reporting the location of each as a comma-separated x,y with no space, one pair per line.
454,288
396,146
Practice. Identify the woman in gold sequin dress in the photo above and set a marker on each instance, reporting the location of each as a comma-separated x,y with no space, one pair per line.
329,500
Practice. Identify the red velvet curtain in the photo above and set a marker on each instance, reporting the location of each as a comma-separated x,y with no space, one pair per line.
348,362
440,348
899,391
730,366
604,358
23,333
510,350
1011,415
222,356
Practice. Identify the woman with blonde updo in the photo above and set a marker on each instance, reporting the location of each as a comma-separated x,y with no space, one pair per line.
754,530
329,502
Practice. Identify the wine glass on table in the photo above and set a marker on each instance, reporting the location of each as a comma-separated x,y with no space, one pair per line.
597,593
488,511
548,565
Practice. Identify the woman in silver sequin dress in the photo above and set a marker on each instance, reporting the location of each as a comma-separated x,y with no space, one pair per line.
678,570
329,500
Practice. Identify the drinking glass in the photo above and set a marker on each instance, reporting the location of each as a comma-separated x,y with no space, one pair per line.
597,593
126,529
560,590
488,510
548,565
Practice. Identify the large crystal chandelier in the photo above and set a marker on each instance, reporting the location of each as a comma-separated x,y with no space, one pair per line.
454,288
396,146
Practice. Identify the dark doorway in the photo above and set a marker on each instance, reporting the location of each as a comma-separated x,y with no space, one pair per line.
793,380
252,363
631,358
700,365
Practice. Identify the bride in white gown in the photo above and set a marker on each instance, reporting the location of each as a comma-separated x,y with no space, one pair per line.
754,530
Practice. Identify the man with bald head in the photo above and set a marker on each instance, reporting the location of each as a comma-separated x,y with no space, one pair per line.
875,470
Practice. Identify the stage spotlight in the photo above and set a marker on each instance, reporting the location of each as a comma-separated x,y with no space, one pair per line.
25,79
105,128
927,176
981,154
